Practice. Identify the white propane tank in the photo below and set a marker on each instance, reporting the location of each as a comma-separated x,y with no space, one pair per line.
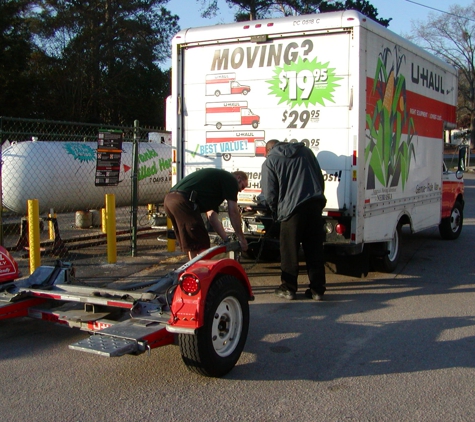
61,175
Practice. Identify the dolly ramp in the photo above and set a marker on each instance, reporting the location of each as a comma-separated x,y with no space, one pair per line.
133,336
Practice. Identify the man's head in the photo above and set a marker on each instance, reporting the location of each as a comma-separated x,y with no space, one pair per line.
241,178
270,144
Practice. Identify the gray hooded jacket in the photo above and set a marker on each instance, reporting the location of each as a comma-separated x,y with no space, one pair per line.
291,175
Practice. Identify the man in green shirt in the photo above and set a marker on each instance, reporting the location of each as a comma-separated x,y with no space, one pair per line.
203,191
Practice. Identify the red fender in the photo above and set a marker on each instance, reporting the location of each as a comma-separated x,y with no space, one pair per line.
8,266
188,311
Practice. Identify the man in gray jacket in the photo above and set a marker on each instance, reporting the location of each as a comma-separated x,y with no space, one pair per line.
293,186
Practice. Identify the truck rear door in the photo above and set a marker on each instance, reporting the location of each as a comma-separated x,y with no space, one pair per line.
299,89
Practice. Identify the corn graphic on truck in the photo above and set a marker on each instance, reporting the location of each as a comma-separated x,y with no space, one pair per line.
373,107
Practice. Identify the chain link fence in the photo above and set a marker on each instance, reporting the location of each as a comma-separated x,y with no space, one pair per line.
60,165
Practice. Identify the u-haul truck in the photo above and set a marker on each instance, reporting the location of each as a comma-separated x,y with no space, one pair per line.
372,106
224,84
230,113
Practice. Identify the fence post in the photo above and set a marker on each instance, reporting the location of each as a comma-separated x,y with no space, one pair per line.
135,164
111,229
34,234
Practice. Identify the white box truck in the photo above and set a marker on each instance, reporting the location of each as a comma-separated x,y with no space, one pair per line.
371,105
224,83
230,113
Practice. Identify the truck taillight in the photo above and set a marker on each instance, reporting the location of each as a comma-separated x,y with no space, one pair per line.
190,284
340,229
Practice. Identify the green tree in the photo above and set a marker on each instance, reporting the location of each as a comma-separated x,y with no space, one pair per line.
451,36
258,9
102,58
363,6
16,80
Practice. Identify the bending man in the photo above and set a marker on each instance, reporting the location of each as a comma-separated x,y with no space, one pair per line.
203,191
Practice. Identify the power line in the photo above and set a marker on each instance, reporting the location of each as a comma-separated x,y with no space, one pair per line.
441,11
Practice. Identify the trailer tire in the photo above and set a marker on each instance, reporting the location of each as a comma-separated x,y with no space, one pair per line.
216,347
451,227
391,252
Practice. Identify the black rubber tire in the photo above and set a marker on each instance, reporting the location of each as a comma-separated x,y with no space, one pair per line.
392,249
217,346
451,227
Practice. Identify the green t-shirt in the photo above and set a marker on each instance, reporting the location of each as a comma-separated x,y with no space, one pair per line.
212,186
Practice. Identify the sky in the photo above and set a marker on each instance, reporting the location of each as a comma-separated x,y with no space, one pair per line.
402,12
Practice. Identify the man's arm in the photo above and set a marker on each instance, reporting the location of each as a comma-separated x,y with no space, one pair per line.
216,224
269,187
235,217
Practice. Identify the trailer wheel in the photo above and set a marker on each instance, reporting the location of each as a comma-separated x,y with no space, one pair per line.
217,93
391,252
216,347
451,227
219,125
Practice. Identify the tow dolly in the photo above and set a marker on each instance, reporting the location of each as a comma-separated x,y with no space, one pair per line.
203,306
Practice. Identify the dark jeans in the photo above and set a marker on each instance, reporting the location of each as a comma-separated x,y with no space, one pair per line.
305,227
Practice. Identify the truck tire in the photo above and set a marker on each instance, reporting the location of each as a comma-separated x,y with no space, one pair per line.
451,227
391,252
216,347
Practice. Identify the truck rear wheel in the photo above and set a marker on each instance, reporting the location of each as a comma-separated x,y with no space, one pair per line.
391,251
451,227
216,347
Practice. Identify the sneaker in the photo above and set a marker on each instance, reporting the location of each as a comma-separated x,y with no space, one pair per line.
312,294
285,293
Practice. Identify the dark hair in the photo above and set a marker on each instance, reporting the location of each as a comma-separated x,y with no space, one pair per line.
270,144
241,174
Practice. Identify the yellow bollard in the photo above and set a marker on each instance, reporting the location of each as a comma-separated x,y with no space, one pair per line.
171,242
51,214
111,231
34,234
104,220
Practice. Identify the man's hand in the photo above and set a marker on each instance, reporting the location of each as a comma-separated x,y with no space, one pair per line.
243,243
235,217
